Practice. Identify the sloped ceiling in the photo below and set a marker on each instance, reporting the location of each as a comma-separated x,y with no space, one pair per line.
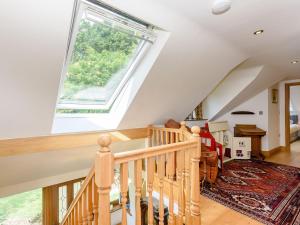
201,50
274,50
33,44
29,171
229,88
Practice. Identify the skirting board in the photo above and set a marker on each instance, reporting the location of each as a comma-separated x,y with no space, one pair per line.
273,151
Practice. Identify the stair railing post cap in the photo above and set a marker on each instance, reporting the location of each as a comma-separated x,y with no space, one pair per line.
104,140
182,123
195,130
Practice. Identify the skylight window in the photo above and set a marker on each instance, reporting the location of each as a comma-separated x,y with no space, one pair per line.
105,48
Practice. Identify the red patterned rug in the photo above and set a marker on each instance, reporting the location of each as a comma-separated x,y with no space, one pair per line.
267,192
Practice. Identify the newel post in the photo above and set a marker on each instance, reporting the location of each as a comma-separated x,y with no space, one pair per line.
104,177
195,179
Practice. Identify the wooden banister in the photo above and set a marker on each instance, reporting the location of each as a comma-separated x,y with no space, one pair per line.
84,185
177,154
133,155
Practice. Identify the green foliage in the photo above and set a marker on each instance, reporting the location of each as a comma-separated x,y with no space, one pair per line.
82,111
27,206
100,51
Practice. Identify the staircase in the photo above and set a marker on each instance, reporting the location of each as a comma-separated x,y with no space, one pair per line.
173,155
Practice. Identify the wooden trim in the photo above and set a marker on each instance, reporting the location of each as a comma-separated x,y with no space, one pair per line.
287,115
273,151
50,205
9,147
51,201
287,112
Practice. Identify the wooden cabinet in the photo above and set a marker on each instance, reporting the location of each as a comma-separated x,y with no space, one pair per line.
249,130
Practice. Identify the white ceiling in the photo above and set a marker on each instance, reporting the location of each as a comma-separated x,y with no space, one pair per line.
278,45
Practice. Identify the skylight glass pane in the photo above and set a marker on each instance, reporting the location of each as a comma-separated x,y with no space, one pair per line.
101,59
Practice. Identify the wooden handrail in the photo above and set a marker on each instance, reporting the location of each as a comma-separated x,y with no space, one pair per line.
177,155
83,186
9,147
144,153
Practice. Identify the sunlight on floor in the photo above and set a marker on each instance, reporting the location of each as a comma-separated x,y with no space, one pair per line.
295,146
291,158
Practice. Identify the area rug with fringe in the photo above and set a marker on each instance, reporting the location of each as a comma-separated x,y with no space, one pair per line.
267,192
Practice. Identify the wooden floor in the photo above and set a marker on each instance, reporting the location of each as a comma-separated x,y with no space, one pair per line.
214,213
291,158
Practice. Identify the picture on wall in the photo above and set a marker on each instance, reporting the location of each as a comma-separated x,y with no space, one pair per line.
274,95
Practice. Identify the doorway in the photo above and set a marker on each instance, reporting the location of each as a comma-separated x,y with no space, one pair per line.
292,116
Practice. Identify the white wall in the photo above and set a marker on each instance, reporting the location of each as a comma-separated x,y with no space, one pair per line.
255,104
273,121
268,121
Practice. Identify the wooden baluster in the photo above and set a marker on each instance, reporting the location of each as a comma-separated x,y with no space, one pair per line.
187,161
89,202
171,137
69,220
150,178
195,179
124,190
95,202
161,175
79,212
75,214
180,181
138,190
162,137
177,138
150,136
83,208
167,137
73,217
171,176
104,177
157,138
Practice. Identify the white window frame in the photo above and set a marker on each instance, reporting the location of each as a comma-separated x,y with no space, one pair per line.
82,7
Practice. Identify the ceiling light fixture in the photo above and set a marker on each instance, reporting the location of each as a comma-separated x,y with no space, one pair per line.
221,6
294,61
258,32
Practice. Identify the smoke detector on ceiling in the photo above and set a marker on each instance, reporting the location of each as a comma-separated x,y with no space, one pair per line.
221,6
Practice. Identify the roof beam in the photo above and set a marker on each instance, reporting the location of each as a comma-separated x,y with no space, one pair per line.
10,147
